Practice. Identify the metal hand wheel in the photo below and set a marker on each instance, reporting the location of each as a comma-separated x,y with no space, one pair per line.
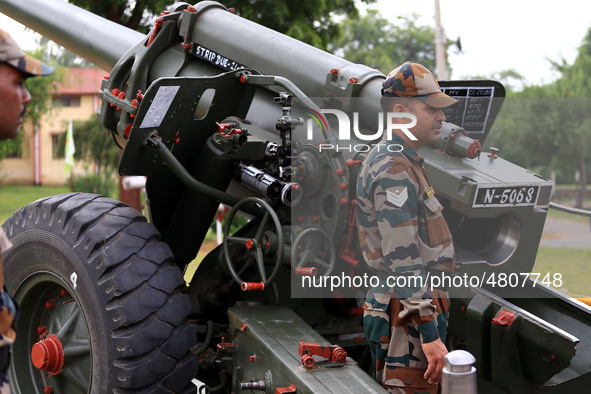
261,242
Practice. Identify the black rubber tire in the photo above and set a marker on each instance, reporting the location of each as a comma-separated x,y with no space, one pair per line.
122,296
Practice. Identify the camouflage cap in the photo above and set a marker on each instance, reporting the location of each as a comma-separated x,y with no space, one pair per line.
12,54
414,80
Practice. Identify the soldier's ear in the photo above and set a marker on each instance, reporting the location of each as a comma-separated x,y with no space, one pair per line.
399,107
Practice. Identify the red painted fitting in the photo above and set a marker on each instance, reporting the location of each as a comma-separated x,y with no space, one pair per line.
127,130
343,186
504,318
154,31
308,361
48,389
50,304
344,201
249,244
243,327
339,355
283,390
48,355
314,219
334,71
191,8
353,80
252,358
474,149
306,271
250,286
340,172
351,162
243,79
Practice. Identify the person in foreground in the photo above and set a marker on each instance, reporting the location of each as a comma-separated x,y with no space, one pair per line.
404,237
15,68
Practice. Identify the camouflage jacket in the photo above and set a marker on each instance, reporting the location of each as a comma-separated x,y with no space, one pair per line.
401,230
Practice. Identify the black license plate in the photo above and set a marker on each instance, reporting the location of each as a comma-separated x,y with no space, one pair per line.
506,196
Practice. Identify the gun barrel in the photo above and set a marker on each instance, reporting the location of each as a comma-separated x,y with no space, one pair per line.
98,40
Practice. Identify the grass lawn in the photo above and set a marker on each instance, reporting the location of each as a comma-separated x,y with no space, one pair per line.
15,197
573,264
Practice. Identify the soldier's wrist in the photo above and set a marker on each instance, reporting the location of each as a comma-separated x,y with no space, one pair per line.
428,331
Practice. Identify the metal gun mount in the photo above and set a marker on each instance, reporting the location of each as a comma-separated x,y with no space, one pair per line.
213,109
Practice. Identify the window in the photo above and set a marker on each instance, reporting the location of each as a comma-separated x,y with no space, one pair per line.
57,149
66,101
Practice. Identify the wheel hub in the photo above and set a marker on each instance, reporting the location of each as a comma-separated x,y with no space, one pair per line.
48,355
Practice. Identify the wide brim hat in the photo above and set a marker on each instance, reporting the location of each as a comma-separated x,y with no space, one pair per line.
12,54
415,80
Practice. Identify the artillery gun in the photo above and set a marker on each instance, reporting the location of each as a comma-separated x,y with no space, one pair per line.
213,109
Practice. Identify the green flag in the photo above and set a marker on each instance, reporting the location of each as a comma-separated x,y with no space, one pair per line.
70,150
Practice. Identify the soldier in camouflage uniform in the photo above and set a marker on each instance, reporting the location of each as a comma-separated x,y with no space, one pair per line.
404,236
15,67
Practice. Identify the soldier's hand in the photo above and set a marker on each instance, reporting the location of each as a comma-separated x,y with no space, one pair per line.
435,352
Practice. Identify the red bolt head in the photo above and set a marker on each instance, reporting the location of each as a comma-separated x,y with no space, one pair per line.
340,172
343,186
127,130
252,358
50,304
344,201
314,219
242,79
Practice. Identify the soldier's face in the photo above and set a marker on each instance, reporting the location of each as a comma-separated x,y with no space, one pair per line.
14,96
428,125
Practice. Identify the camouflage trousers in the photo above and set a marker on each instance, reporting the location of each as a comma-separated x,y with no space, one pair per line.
396,345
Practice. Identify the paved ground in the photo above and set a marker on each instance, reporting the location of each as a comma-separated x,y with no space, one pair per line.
561,233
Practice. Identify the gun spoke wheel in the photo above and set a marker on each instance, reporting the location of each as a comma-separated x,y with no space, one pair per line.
314,248
101,308
257,244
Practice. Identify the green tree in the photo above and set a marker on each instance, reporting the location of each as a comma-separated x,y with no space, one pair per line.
134,14
310,21
92,144
379,43
547,128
